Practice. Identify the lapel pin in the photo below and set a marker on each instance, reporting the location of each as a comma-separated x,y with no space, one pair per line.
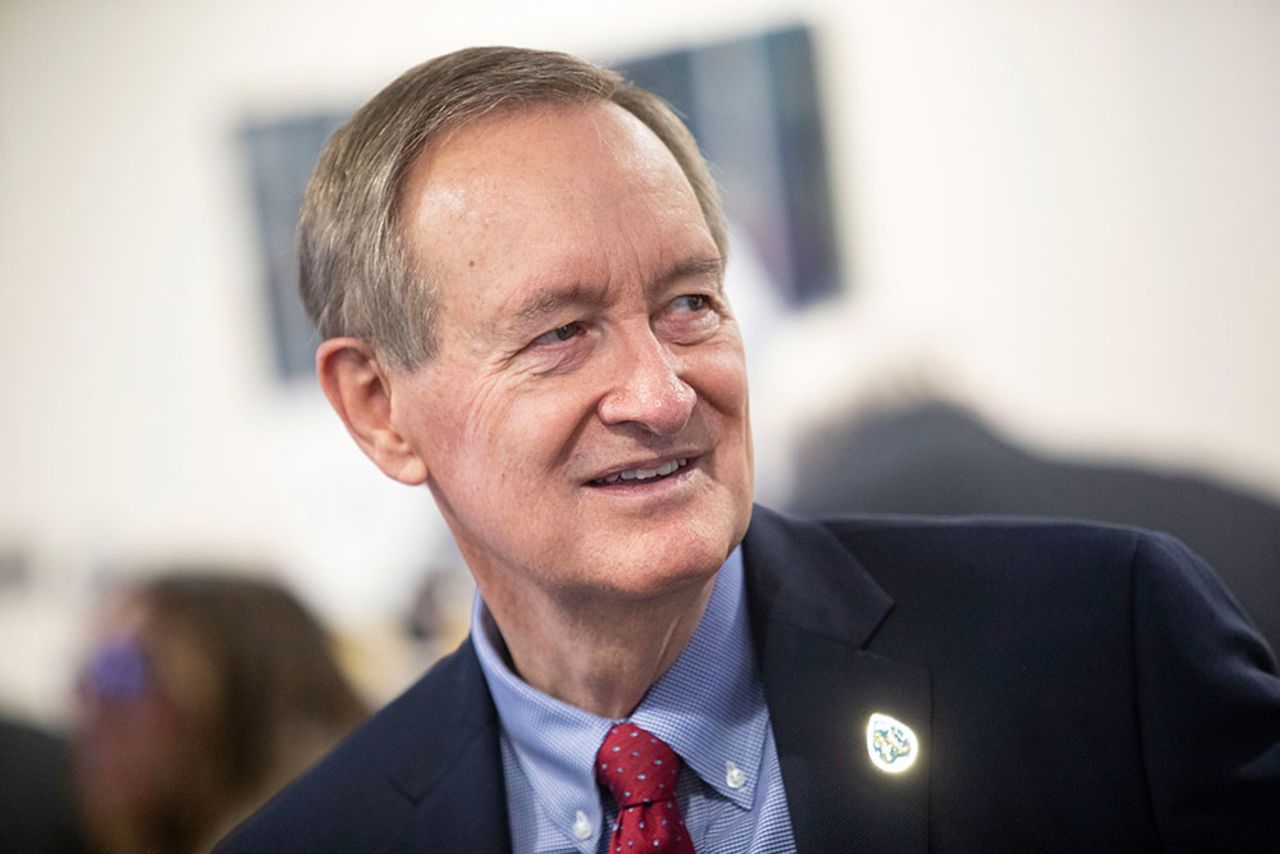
891,744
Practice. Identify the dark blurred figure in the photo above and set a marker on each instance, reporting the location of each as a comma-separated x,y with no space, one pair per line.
37,814
204,695
937,458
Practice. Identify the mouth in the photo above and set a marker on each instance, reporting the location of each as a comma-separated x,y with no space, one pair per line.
643,474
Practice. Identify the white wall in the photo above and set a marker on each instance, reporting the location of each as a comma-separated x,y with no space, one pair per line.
1075,204
1078,202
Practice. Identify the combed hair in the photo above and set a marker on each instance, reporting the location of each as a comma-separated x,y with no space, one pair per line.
357,277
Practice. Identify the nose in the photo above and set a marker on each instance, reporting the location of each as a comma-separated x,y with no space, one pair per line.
648,389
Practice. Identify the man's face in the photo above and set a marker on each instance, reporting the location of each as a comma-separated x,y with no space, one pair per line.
584,423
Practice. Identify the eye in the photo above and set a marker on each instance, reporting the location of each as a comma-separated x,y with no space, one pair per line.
689,302
560,333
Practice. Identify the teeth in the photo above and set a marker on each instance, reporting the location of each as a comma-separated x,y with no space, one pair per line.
646,474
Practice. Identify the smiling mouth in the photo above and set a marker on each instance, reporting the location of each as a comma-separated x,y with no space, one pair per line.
641,475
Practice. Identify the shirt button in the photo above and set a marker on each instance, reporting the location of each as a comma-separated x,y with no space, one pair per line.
734,776
582,826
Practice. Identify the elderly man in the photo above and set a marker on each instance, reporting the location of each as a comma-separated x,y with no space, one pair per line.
516,264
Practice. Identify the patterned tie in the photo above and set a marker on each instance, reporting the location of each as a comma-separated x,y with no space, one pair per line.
640,769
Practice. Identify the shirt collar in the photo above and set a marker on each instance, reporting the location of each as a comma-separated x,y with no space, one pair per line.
709,706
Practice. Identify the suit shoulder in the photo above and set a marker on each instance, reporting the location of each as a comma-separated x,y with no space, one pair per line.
990,546
999,547
1080,579
1013,530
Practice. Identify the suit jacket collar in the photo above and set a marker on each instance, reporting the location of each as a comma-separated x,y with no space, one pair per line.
453,771
814,610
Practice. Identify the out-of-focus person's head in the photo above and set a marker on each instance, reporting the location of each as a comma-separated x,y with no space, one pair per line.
203,695
517,263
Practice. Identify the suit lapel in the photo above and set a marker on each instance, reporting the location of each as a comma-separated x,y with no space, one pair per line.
813,610
453,773
468,811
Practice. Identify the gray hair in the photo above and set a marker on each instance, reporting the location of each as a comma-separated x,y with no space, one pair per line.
357,276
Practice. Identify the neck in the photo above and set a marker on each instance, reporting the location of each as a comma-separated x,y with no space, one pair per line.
598,655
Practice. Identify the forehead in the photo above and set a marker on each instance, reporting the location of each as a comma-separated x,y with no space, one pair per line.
583,192
538,156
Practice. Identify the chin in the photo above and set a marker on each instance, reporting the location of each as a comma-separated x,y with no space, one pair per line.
658,562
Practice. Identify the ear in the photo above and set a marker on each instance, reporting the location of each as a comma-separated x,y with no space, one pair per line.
360,392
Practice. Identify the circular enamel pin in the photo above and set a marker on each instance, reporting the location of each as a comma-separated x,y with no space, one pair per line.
891,744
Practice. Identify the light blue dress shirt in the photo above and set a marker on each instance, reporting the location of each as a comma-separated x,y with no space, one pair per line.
709,707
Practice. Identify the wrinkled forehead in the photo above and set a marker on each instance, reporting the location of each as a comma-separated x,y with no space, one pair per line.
576,190
541,154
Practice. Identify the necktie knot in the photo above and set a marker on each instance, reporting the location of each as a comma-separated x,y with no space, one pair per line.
641,769
637,766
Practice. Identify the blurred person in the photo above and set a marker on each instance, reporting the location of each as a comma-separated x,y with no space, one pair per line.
515,261
203,695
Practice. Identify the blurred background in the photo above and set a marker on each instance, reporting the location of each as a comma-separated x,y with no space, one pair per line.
990,256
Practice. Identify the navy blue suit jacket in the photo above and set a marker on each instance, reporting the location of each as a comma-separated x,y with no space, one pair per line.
1073,688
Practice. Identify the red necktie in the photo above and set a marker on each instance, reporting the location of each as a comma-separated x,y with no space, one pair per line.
640,769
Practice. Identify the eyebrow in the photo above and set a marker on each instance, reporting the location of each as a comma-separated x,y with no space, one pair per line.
549,300
694,268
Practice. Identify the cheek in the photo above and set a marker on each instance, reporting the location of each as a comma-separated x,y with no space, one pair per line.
486,415
721,382
507,445
452,415
545,417
719,375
